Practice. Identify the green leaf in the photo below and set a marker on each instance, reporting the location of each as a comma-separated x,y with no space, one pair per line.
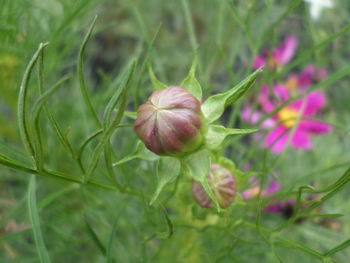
215,105
156,84
130,114
170,227
168,169
34,124
125,77
82,85
14,154
141,152
190,83
109,246
94,236
108,131
216,135
321,215
338,248
85,143
197,166
22,102
34,218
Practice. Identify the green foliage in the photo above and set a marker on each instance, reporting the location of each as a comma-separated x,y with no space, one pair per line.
215,105
87,180
168,169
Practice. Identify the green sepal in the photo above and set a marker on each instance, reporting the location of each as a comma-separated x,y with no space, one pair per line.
156,84
240,176
197,166
190,83
215,105
168,169
216,135
141,152
227,163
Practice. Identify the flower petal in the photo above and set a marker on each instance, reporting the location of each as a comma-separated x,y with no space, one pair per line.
250,116
273,187
276,139
301,139
264,101
307,76
315,127
315,101
259,61
284,52
281,92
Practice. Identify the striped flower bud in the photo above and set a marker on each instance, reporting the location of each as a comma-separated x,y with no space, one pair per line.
170,122
223,185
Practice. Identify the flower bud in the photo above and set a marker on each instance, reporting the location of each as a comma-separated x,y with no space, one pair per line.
170,122
221,182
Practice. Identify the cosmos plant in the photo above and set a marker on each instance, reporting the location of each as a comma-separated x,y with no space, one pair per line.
297,119
179,132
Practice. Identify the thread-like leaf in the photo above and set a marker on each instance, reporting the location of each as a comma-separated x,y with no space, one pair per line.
125,77
86,142
141,152
106,135
34,124
22,115
94,237
82,85
34,218
168,169
338,248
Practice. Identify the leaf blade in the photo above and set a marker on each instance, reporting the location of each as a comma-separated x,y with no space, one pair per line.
168,169
34,218
215,105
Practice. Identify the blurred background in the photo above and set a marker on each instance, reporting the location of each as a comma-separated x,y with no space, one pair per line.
78,221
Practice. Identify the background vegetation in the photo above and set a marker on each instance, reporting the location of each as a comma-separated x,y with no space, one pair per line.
54,214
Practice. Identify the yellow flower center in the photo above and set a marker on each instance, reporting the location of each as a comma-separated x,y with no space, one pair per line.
287,117
291,83
253,192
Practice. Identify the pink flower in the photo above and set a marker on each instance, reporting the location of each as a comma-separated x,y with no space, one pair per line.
273,187
280,56
283,122
301,82
286,119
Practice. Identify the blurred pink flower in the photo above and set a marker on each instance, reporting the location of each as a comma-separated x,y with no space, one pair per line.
273,187
301,82
280,56
283,122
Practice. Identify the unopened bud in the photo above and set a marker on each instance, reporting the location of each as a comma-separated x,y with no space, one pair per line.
223,185
170,122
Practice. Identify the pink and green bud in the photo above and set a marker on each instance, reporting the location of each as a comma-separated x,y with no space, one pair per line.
170,122
222,184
